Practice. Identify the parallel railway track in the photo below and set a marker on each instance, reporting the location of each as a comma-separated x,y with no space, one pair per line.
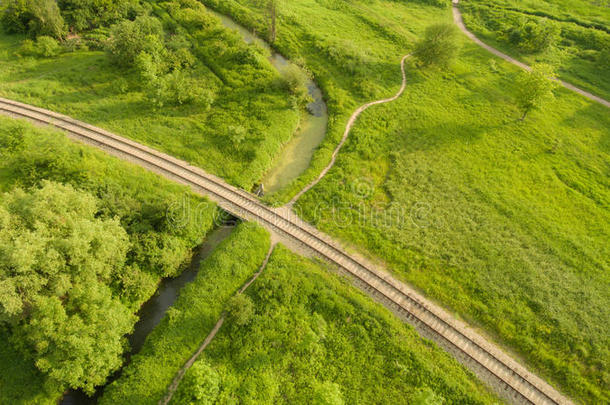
510,379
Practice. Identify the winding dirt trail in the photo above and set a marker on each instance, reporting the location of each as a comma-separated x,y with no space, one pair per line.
459,21
348,129
174,385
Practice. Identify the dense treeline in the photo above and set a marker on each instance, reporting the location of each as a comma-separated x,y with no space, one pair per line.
186,324
84,241
303,336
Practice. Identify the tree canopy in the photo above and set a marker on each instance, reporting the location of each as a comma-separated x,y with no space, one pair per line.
57,262
439,45
535,87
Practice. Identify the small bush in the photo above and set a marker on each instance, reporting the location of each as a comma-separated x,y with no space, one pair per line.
43,47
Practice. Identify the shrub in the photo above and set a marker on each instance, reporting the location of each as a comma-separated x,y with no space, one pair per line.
130,38
535,36
200,386
294,79
43,47
438,47
240,310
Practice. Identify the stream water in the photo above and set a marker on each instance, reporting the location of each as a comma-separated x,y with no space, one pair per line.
154,309
297,153
293,161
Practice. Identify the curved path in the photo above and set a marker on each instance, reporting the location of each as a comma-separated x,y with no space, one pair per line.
180,375
348,128
459,21
509,378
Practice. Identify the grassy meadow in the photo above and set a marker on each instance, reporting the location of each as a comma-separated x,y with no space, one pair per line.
236,136
505,222
313,338
581,52
139,199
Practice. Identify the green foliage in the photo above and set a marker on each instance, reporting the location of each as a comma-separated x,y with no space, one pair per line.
439,45
315,339
55,275
86,14
200,386
36,17
77,266
485,189
294,80
535,87
535,36
573,35
240,310
130,38
193,315
221,82
43,47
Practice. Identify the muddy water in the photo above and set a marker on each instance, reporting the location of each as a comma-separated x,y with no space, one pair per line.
297,153
154,309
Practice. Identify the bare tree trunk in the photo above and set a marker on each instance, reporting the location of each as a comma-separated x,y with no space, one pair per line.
524,115
273,14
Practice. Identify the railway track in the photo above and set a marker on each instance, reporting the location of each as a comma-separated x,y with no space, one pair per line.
511,380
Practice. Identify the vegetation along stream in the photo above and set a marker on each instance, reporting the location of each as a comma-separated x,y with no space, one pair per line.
153,311
298,151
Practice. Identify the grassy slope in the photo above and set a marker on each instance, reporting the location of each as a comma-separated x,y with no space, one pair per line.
86,86
576,61
512,217
312,328
127,191
146,378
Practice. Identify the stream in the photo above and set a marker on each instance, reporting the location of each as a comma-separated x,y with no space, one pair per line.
154,309
293,161
297,152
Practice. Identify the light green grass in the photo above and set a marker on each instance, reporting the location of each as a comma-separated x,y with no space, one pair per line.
87,86
582,54
312,329
505,222
146,378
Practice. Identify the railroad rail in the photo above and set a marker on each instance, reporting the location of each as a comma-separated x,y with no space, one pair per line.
509,378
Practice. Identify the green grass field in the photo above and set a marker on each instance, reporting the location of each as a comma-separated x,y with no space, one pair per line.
315,339
87,86
137,197
505,222
582,52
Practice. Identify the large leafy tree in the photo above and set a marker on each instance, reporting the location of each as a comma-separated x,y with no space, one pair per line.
439,45
57,264
535,88
36,17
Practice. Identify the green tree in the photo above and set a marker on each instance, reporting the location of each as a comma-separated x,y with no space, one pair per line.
130,38
535,35
240,309
200,386
86,14
36,17
439,45
534,88
57,262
